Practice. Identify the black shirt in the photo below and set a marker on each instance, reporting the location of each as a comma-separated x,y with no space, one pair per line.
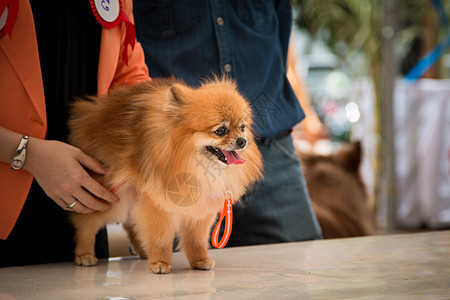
68,37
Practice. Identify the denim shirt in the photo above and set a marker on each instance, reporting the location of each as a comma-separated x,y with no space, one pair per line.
246,40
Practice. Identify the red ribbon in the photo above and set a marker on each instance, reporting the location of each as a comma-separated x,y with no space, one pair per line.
130,35
13,10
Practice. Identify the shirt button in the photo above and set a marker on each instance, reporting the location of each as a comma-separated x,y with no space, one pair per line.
220,21
227,68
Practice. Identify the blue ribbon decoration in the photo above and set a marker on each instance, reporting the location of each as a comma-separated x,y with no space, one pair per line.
430,58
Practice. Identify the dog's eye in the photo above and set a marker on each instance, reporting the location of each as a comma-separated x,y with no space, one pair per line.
242,128
221,131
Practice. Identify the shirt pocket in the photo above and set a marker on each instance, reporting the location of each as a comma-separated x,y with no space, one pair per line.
256,14
165,19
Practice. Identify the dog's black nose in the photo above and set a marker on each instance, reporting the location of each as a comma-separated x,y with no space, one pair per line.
241,142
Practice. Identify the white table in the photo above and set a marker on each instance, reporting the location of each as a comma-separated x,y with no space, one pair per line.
407,266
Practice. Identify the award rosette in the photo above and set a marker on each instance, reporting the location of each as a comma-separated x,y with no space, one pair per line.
109,14
8,15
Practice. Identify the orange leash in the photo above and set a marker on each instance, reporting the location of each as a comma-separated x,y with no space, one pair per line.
227,213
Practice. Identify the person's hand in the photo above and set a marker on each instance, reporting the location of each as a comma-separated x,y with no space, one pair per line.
58,169
310,130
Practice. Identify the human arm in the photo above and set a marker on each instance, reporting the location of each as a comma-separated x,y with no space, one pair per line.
59,169
113,71
311,128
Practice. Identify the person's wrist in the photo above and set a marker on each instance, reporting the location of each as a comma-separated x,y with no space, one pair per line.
32,155
20,155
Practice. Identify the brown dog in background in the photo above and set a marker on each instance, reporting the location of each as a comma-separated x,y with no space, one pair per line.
337,192
175,152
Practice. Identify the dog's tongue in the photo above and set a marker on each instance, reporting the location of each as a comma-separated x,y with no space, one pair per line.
233,158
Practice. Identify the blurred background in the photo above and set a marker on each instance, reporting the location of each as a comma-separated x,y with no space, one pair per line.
377,71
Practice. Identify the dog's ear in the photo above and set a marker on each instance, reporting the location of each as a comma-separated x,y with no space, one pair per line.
177,94
350,156
177,98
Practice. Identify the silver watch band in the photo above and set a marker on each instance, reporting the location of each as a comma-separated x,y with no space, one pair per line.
18,161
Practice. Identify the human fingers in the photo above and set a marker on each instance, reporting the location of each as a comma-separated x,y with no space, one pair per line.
87,199
92,185
72,205
98,190
90,163
65,178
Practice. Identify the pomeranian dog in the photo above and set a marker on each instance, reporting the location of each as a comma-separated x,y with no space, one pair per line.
173,152
337,192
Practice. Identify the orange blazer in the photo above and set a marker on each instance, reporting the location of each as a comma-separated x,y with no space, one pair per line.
22,102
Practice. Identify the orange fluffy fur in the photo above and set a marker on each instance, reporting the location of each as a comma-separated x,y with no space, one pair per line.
149,136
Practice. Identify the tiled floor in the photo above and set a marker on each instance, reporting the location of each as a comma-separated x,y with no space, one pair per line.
407,266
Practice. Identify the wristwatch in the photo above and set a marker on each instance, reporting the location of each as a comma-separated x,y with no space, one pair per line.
18,160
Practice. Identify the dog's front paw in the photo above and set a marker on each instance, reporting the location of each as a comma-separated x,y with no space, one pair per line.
160,267
86,260
204,264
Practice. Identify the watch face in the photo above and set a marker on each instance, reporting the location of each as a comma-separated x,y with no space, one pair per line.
17,164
